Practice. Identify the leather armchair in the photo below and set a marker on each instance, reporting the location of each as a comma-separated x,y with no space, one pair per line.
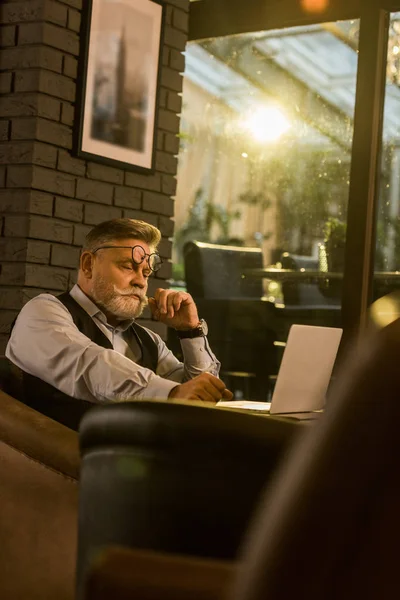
326,527
39,464
180,478
129,574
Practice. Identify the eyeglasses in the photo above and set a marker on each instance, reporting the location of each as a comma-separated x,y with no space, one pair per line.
139,255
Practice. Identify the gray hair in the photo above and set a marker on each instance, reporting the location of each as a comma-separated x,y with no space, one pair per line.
121,229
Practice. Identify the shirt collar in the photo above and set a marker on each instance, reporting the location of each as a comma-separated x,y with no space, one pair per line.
93,310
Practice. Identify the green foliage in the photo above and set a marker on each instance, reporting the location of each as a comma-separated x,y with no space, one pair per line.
185,139
335,240
260,199
393,222
202,216
178,271
310,183
335,231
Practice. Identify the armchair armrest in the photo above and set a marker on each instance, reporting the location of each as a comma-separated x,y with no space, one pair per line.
125,574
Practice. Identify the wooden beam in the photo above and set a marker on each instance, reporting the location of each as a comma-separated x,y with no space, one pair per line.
215,18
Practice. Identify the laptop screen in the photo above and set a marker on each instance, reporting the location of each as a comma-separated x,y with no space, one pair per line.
306,369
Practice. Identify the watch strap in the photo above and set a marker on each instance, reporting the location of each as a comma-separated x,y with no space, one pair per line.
191,333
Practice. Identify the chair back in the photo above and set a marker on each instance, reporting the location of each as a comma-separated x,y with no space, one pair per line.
298,293
176,477
234,309
242,333
215,271
329,525
298,261
10,378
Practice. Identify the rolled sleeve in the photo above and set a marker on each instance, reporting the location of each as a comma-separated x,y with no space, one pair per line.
198,357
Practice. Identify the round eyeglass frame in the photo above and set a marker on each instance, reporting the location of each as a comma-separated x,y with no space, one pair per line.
154,256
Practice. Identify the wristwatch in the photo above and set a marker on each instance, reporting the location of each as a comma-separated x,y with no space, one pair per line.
200,330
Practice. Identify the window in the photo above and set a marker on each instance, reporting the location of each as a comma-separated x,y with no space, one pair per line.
264,163
387,253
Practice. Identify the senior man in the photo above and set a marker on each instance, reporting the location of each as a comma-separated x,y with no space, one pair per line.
84,347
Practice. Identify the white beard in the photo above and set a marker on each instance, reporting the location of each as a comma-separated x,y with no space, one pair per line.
120,303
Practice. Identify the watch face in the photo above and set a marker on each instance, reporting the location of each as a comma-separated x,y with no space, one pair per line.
204,326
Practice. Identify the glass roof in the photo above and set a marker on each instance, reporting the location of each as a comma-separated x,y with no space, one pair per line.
323,62
321,59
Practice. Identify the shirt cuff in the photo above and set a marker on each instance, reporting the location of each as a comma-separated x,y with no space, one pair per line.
197,351
157,388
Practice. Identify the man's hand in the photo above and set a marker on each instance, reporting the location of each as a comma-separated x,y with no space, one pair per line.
204,387
175,309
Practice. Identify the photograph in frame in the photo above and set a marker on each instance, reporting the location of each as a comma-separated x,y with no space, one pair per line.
119,83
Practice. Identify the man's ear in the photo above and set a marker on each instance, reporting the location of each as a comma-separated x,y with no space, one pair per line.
86,264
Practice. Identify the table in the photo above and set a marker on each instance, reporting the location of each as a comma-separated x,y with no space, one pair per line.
306,276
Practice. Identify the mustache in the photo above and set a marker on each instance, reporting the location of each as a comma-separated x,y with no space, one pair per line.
130,292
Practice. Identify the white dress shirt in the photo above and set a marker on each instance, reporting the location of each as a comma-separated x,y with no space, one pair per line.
46,343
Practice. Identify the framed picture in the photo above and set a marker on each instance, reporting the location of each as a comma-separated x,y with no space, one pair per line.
118,82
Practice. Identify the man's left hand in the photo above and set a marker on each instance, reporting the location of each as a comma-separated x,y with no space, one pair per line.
175,309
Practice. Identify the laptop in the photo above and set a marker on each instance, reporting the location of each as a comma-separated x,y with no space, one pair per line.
304,374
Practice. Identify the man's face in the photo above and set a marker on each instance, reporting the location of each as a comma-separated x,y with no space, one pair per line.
118,285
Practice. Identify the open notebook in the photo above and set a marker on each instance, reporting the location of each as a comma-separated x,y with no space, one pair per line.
304,374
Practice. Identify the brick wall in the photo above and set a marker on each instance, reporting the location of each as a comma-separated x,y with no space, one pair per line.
49,199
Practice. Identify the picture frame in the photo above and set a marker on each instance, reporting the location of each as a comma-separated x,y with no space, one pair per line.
118,83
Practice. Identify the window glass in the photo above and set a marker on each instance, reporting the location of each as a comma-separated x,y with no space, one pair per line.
264,163
387,254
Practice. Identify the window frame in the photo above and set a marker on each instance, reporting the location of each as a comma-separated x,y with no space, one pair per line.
217,18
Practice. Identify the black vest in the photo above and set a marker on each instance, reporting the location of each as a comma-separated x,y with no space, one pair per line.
48,400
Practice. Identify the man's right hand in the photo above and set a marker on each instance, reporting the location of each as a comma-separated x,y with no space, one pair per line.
204,387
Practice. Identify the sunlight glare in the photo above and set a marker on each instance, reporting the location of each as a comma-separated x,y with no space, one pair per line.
267,124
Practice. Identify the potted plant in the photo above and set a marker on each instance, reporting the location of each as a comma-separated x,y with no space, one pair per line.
335,240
